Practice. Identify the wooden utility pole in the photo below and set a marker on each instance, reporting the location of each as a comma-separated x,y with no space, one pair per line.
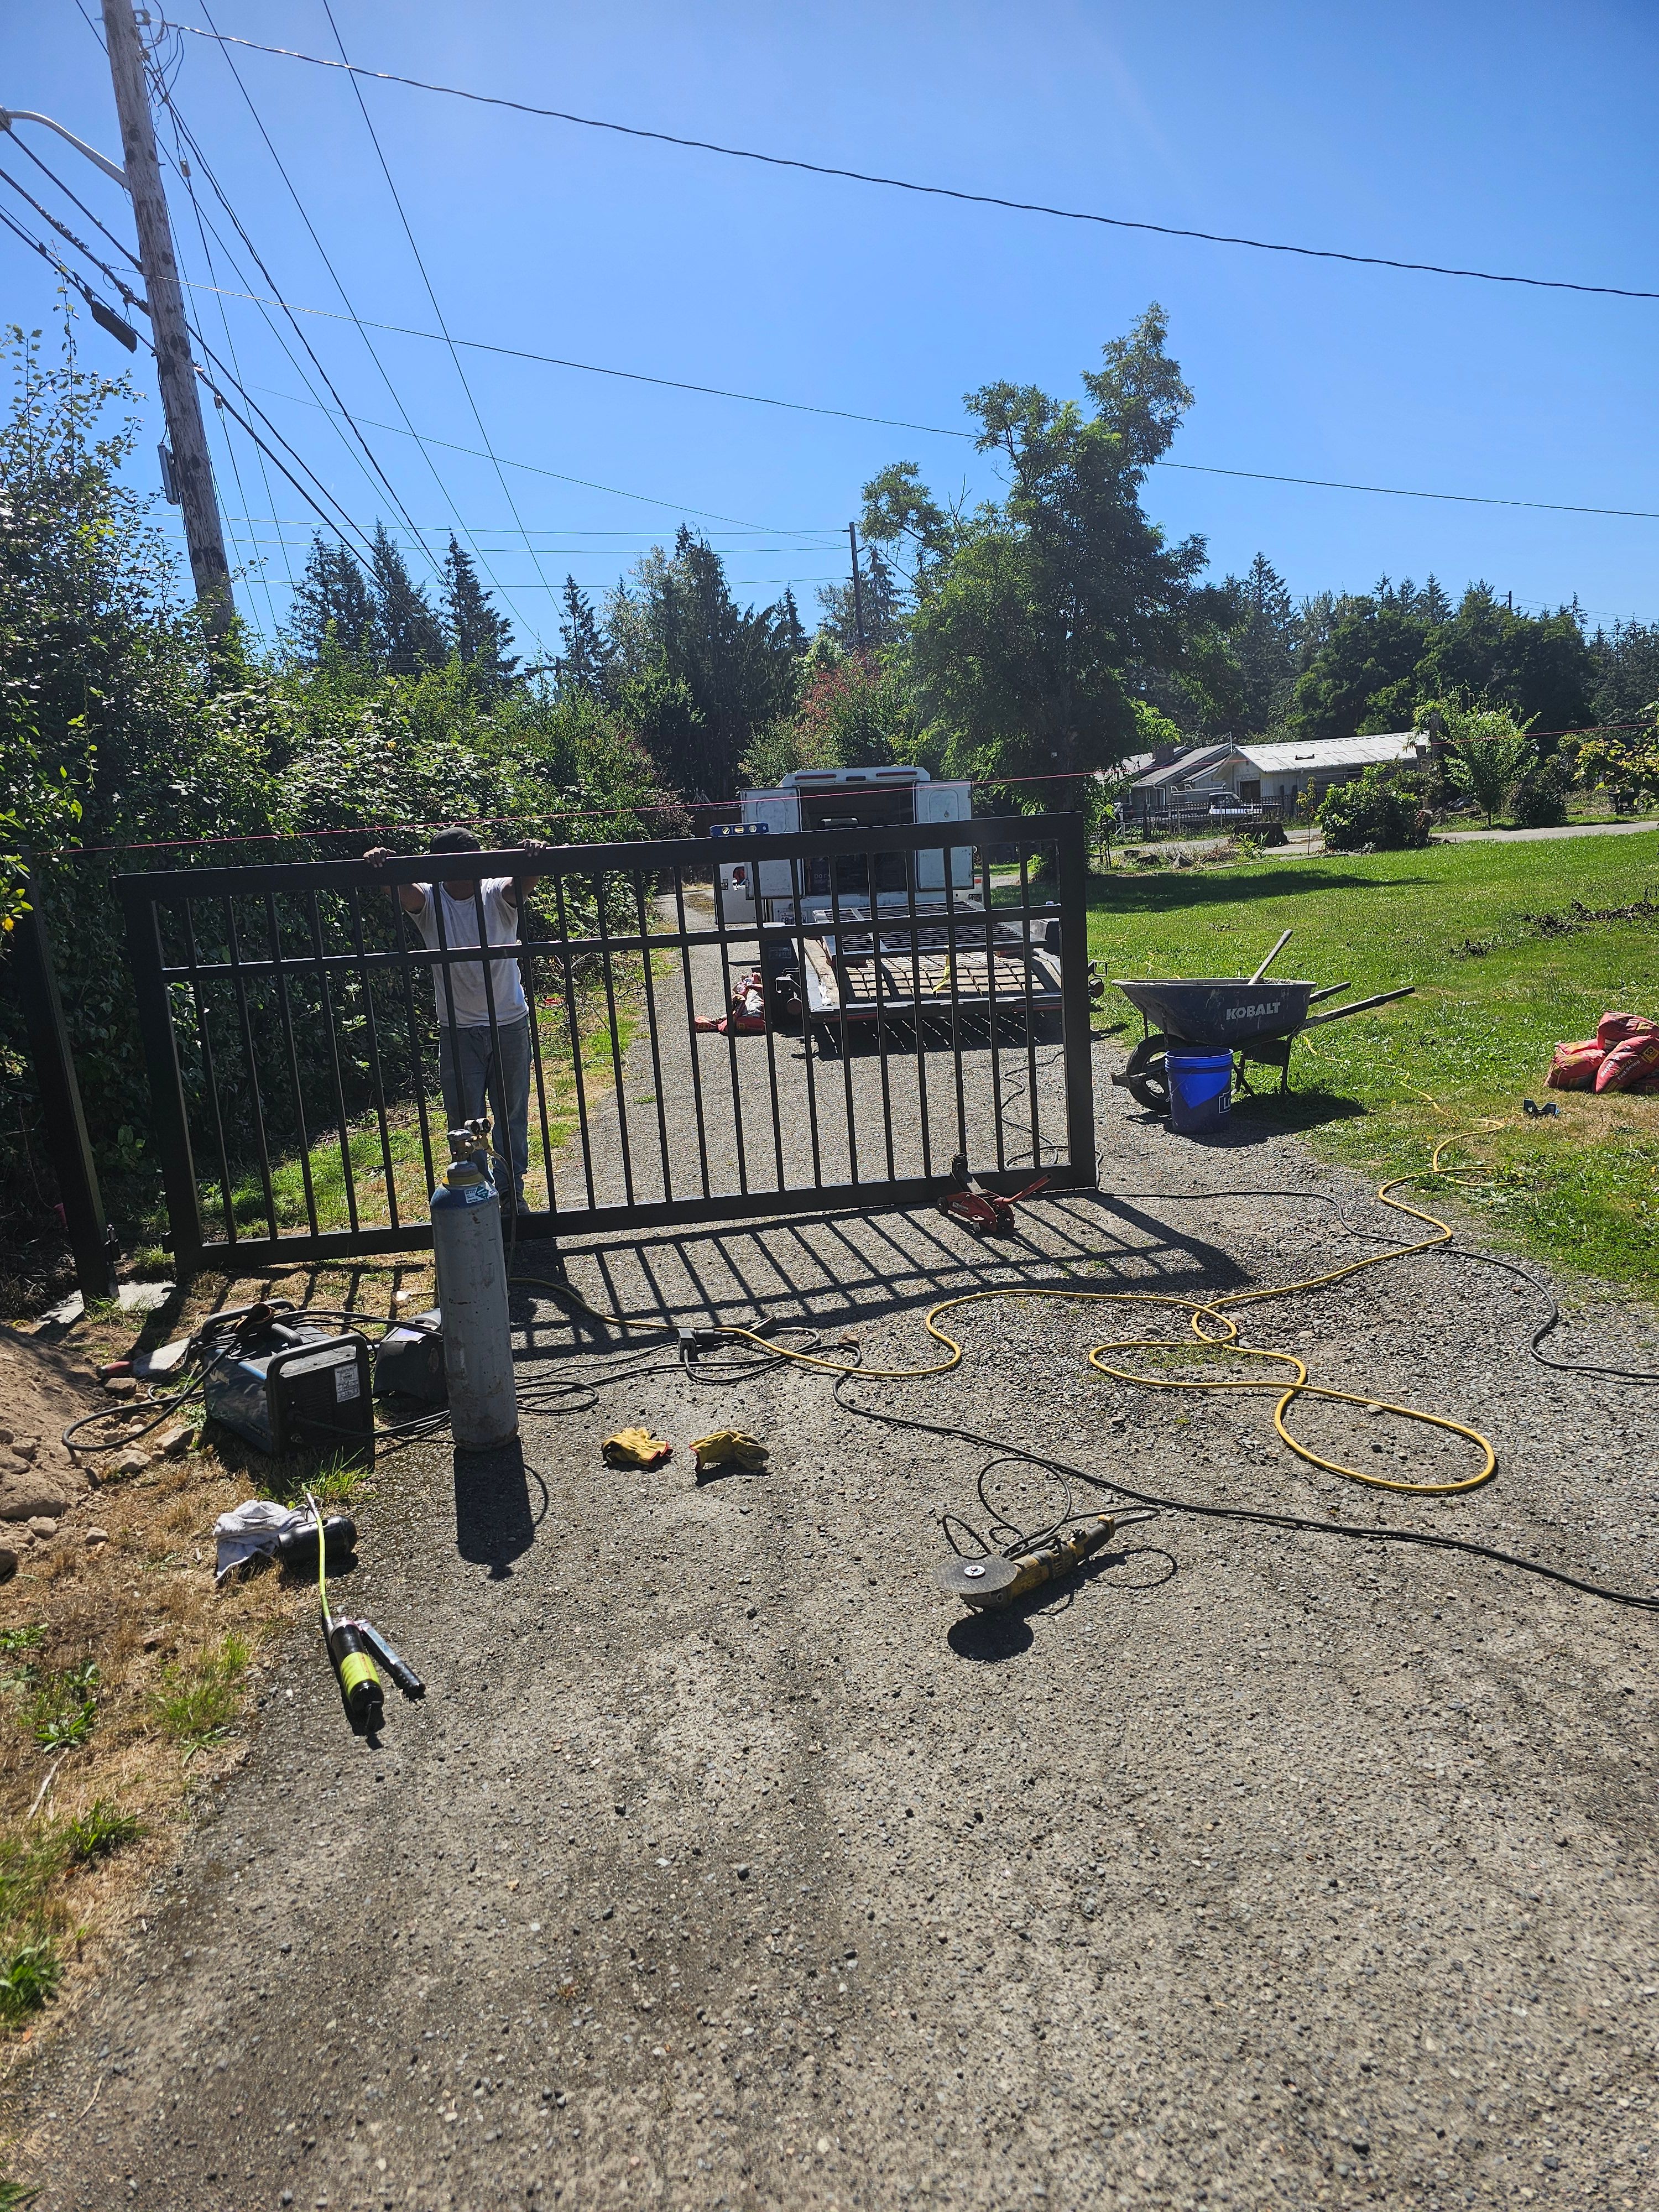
858,584
175,369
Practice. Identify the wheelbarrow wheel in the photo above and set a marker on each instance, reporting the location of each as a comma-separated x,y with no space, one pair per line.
1145,1078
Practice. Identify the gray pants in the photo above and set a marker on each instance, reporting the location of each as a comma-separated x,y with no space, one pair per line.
468,1070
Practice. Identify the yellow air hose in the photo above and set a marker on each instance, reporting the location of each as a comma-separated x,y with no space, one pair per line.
1222,1341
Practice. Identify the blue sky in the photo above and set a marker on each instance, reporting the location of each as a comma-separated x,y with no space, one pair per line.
1514,137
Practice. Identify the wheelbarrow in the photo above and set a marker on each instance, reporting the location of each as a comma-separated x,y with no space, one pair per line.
1256,1021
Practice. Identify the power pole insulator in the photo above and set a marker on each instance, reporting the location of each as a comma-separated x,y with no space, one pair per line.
175,370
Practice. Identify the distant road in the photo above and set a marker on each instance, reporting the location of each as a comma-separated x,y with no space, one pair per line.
1521,837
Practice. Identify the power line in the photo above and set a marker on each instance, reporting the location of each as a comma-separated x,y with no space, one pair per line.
931,191
189,138
385,375
408,232
938,430
62,229
120,245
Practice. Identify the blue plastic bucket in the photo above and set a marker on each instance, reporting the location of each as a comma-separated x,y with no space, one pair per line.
1201,1090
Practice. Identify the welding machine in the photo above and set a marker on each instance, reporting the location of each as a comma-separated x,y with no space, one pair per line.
279,1380
409,1360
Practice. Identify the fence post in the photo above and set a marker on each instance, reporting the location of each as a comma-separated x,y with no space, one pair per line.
68,1146
169,1122
1074,998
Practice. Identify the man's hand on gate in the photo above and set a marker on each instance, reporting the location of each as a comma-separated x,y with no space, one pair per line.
408,896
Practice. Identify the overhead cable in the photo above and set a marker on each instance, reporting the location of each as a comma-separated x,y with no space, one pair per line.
119,244
381,369
930,191
938,430
420,263
345,415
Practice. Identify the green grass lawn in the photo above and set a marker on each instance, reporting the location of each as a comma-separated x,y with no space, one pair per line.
1504,969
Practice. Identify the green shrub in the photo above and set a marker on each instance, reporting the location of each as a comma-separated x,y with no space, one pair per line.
1538,800
1379,811
65,1704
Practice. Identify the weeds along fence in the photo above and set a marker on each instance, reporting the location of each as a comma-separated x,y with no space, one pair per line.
289,1016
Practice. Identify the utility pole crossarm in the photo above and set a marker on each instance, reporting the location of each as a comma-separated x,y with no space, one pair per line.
175,370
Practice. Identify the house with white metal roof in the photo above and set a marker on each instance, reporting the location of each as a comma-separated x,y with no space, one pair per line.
1234,775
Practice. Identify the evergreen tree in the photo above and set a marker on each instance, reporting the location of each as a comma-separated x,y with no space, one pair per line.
331,607
585,663
1264,643
1434,606
883,608
407,635
479,631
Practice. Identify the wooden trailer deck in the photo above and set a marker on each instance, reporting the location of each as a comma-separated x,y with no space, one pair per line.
862,976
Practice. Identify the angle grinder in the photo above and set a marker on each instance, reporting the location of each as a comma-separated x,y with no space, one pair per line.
998,1580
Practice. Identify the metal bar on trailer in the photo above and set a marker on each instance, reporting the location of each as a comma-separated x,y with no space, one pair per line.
1073,885
253,1060
354,908
273,932
212,1080
691,1032
346,1176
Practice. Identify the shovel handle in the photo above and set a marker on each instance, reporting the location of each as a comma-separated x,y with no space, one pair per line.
1283,940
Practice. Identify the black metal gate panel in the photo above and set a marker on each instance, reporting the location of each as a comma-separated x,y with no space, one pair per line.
290,1019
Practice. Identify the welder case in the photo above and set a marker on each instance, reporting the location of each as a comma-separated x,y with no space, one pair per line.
280,1384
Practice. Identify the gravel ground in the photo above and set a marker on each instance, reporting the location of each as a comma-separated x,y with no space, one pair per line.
728,1864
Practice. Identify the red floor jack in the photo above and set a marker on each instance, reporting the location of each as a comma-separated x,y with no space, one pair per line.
986,1213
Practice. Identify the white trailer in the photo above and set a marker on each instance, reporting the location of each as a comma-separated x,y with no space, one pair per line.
845,947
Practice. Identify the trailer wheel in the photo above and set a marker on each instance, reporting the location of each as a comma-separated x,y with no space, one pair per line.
1146,1078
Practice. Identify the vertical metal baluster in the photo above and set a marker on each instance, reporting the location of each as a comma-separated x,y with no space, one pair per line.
273,932
797,894
194,964
346,1171
616,1044
771,1042
1031,1016
486,971
841,970
874,874
569,965
1074,1005
355,908
527,970
911,862
951,925
416,1066
731,1033
691,1027
991,989
251,1060
651,1026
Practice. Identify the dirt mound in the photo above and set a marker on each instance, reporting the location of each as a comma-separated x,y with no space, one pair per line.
42,1390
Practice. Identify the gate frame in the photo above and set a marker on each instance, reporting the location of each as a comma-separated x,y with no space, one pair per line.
144,895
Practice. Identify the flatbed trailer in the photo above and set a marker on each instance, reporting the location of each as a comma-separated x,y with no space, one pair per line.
959,960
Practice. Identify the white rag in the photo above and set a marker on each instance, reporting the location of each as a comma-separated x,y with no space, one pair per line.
249,1529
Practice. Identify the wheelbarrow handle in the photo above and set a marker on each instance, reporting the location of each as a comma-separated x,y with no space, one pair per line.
1359,1006
1330,991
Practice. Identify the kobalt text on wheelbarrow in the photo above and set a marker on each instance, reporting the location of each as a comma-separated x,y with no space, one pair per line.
1255,1020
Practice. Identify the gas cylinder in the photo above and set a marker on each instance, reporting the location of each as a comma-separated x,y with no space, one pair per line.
466,1244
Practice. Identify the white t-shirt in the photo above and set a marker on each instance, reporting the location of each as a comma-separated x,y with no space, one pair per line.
465,986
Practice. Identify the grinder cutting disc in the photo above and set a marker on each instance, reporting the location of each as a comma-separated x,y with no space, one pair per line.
975,1581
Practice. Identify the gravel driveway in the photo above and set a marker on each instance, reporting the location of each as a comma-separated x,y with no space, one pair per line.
727,1864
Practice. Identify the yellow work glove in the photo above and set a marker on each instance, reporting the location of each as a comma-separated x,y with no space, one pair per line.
636,1447
727,1444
